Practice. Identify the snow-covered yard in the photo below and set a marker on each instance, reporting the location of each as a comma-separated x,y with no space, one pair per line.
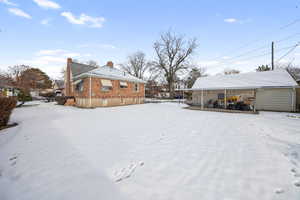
149,152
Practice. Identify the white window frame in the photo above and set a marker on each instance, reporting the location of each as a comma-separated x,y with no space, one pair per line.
106,85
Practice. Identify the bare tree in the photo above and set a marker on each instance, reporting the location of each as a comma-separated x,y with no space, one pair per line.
194,74
92,63
62,73
15,73
173,52
292,69
231,71
136,65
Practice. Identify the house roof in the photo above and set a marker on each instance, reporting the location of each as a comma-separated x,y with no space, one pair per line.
251,80
110,73
78,68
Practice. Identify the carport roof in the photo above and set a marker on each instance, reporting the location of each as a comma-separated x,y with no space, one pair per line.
269,79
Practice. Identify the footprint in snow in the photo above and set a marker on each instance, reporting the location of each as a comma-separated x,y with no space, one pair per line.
297,183
295,172
13,158
279,191
125,173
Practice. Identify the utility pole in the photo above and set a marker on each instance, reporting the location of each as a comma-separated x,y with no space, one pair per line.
272,61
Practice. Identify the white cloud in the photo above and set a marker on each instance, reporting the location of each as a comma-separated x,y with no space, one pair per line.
83,19
45,21
226,57
50,52
47,4
230,20
234,20
72,55
95,45
52,60
45,60
19,12
240,62
59,53
7,2
208,63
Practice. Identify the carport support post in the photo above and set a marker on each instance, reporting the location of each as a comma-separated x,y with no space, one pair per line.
294,99
254,105
225,99
202,99
90,91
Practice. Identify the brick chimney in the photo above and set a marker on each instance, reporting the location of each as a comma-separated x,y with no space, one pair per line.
68,78
110,64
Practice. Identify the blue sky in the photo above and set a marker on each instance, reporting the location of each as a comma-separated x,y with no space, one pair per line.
43,33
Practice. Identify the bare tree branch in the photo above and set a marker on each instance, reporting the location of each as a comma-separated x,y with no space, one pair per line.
173,52
137,65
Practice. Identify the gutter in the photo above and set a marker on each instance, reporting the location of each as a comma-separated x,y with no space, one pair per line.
237,88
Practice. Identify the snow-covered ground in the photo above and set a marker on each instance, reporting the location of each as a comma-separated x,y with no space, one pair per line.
149,152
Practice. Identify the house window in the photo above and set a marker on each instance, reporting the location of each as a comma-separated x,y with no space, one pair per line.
123,84
136,87
106,85
79,86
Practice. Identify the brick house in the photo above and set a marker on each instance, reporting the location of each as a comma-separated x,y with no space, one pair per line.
102,86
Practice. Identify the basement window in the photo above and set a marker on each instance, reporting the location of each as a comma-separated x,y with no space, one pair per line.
123,84
106,85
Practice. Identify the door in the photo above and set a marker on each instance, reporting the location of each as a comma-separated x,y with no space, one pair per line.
275,99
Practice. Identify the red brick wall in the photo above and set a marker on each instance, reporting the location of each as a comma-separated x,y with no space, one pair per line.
115,92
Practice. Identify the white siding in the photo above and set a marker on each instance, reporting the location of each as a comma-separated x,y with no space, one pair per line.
275,99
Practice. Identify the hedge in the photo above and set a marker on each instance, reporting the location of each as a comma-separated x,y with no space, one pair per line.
7,104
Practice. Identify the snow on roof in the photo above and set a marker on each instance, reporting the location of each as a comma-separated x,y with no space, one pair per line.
276,78
111,73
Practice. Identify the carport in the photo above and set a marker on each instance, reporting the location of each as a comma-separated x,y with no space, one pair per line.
270,90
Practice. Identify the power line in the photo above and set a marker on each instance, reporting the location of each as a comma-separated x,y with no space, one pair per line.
290,51
290,24
272,33
257,56
259,48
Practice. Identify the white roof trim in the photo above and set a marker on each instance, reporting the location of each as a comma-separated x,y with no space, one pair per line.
252,80
107,72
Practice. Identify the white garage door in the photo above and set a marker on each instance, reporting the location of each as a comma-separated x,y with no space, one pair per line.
274,99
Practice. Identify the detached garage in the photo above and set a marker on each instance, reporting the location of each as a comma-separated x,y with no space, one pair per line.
270,90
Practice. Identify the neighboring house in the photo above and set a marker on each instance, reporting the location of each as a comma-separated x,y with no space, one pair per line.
102,86
270,90
6,87
161,90
59,87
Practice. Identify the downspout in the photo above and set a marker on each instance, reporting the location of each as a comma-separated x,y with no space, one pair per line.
202,106
254,105
225,99
90,91
293,99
